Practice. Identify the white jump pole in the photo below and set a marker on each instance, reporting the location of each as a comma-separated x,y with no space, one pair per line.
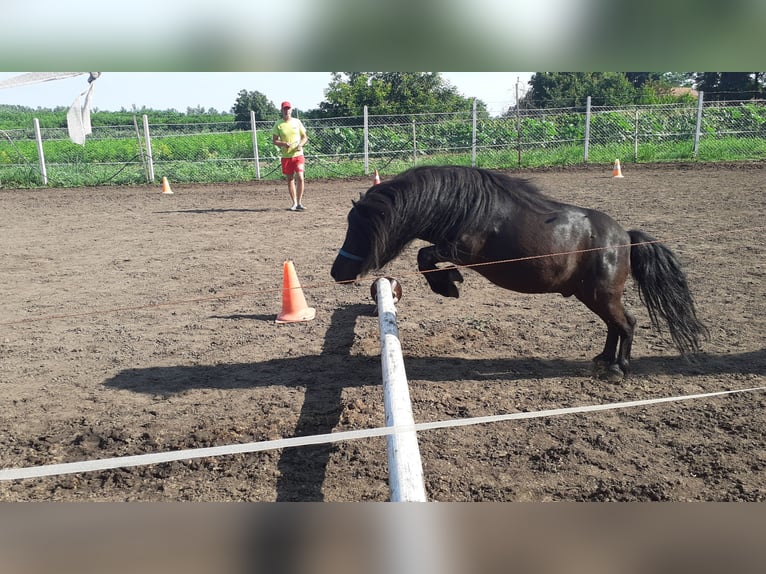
404,466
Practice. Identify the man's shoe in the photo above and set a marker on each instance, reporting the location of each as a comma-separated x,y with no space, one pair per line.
294,208
301,208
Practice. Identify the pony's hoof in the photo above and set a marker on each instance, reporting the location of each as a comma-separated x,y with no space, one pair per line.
612,373
607,371
445,289
452,291
443,282
455,276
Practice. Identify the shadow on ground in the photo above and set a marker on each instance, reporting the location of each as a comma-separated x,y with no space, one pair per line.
325,376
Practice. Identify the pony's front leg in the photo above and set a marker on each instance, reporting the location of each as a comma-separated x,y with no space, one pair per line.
441,281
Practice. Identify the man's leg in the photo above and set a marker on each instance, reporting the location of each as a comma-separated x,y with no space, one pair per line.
291,189
299,186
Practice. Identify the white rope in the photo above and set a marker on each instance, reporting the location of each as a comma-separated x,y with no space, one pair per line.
157,458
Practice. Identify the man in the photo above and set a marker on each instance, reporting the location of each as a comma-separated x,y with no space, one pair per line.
289,135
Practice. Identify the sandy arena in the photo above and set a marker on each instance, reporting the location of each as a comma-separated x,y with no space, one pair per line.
135,322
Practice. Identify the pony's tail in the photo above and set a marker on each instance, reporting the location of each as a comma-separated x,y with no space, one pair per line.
663,289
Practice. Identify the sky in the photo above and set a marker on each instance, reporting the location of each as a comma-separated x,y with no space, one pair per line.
114,91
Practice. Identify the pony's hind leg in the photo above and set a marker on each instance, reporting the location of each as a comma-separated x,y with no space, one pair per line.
626,341
441,281
609,354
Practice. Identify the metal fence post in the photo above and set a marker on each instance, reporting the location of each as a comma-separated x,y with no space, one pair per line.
366,142
699,124
473,136
255,146
587,129
635,138
414,144
150,158
141,149
518,123
40,154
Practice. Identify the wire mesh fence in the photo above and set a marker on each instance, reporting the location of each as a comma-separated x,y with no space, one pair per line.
354,146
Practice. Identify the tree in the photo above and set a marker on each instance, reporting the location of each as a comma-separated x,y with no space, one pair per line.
678,79
638,79
666,88
731,85
387,93
571,89
200,111
253,101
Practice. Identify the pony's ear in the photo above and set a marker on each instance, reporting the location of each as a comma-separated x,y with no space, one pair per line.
361,197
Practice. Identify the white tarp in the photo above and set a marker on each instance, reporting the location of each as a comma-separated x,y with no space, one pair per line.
36,78
78,116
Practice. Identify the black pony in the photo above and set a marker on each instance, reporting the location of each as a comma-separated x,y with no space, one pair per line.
519,239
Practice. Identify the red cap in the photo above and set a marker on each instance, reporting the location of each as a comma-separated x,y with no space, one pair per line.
286,104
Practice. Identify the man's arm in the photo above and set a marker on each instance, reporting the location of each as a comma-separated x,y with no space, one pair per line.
278,142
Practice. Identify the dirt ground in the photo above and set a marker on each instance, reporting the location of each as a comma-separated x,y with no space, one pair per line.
135,322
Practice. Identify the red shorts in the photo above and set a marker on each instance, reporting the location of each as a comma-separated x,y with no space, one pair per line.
290,165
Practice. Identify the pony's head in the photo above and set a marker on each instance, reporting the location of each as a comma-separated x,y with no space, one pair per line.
352,256
378,230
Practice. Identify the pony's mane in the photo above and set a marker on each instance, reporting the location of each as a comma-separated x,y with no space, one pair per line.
438,204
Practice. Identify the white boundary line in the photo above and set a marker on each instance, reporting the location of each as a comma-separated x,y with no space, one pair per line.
157,458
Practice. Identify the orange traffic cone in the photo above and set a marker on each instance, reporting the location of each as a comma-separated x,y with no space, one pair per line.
376,180
166,186
294,306
617,170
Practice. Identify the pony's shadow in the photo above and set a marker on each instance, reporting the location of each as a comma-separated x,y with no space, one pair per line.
324,377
